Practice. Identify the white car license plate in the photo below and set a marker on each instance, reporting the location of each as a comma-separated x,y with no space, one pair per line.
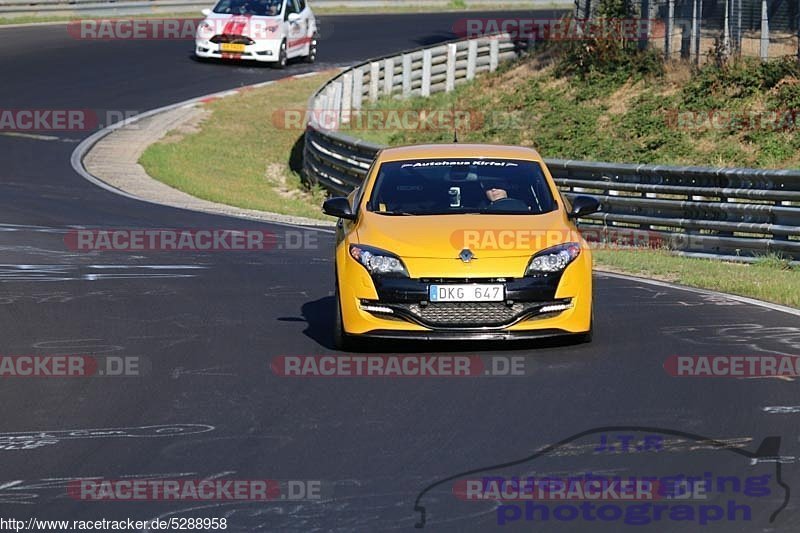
467,293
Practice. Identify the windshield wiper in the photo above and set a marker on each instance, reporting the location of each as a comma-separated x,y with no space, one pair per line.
396,213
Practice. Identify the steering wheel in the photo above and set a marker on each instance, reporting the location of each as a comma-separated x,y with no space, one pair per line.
508,204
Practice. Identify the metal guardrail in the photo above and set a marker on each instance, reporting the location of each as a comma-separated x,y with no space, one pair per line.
339,162
740,212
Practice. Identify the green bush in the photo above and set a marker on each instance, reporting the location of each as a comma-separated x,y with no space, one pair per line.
607,53
786,95
713,86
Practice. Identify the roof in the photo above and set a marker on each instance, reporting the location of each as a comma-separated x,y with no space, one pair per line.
438,151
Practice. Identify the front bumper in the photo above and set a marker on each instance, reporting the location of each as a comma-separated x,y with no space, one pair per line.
407,299
266,51
534,307
464,335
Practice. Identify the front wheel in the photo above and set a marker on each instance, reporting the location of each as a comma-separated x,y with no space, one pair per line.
586,337
341,340
312,49
283,58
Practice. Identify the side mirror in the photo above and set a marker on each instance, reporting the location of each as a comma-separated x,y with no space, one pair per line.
338,207
293,17
206,12
584,205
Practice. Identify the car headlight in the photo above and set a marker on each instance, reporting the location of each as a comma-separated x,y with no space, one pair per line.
205,30
377,261
554,259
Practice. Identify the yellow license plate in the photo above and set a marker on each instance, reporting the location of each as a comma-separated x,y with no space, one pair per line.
232,48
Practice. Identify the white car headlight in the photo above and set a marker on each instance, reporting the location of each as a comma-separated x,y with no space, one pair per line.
377,261
553,259
205,30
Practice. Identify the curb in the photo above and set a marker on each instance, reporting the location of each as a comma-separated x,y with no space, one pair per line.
85,146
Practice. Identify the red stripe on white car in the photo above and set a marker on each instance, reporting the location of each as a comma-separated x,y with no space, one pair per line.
302,41
237,25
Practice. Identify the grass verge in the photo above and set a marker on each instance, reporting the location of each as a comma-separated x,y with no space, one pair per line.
237,156
770,279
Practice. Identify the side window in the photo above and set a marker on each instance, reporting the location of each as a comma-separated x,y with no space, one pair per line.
291,7
360,190
301,5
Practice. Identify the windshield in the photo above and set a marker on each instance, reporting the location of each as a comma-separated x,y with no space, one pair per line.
461,186
261,8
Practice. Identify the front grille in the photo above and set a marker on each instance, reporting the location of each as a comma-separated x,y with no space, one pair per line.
233,39
465,314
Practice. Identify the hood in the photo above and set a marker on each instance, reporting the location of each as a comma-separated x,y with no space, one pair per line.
445,236
253,26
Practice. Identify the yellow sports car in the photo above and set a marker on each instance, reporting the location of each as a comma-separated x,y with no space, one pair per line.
460,242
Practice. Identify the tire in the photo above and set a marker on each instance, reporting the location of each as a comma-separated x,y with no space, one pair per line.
283,57
312,49
341,340
585,338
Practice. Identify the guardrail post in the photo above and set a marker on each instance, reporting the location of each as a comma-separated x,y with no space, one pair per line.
328,106
358,88
388,76
494,54
764,51
347,96
644,38
472,59
374,78
669,28
316,110
695,31
452,48
426,72
406,75
337,104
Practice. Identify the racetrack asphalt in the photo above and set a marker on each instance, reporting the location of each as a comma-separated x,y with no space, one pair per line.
207,326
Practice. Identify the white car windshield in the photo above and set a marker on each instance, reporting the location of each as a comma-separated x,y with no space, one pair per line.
260,8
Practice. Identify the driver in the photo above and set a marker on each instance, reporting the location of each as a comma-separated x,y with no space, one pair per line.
273,8
497,193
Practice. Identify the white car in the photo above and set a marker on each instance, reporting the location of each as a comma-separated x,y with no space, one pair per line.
271,31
